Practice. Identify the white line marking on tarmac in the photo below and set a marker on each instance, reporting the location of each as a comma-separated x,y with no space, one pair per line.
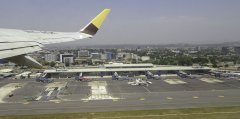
211,80
77,107
25,103
39,97
146,89
142,99
49,93
169,98
99,91
174,81
195,97
165,115
221,96
233,85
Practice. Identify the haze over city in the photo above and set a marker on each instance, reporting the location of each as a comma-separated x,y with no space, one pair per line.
71,59
131,22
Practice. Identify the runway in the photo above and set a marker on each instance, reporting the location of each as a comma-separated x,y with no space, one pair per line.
159,95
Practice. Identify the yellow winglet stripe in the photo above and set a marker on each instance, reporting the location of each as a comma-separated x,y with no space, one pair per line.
98,21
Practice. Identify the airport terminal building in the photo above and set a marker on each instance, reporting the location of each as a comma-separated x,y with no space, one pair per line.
107,70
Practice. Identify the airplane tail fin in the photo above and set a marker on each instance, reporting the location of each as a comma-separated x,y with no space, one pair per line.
96,23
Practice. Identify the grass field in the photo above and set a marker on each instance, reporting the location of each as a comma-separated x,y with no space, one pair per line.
189,113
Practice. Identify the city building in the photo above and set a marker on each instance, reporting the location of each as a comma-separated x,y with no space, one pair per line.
237,50
83,60
66,58
110,56
50,57
103,56
225,50
95,55
198,48
145,58
83,53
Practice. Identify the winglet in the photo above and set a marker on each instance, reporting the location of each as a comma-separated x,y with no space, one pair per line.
96,23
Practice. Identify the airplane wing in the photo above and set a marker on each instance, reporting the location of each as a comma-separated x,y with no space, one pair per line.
15,44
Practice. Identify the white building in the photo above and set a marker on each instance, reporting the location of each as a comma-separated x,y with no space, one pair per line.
50,57
66,58
83,53
125,55
103,56
145,58
95,55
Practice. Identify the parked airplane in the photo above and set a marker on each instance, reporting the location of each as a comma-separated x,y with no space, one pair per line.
5,75
80,77
44,79
140,82
115,76
150,75
182,74
15,44
226,75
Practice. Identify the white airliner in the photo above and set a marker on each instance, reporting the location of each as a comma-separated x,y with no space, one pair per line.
16,44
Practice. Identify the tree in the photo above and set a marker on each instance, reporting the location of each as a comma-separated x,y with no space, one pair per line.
45,63
185,61
226,65
200,60
134,61
213,61
52,64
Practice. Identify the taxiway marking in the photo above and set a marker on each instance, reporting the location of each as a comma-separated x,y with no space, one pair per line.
146,89
195,97
142,99
221,96
170,114
169,98
114,100
174,81
211,80
25,103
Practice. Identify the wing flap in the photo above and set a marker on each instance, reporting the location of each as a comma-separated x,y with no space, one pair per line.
17,48
25,60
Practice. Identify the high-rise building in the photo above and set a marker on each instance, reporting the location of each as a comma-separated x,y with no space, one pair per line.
198,48
225,50
110,55
103,56
95,55
66,58
237,50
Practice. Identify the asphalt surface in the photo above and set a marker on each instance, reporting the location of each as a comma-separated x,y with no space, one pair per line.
74,97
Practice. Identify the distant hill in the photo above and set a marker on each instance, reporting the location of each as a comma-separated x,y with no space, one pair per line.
180,45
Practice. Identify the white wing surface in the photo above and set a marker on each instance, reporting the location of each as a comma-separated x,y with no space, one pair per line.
15,44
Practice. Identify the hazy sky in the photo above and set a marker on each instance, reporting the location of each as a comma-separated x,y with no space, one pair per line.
131,21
